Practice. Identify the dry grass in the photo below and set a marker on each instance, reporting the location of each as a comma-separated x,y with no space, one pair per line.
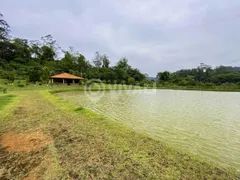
88,146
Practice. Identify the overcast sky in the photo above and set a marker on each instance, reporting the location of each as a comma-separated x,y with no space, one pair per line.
155,35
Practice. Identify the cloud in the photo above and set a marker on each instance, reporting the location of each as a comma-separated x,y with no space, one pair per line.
155,35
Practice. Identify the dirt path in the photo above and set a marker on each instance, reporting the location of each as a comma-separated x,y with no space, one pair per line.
40,141
25,140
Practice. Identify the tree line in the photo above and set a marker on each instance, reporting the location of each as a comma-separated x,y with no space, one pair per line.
37,60
203,75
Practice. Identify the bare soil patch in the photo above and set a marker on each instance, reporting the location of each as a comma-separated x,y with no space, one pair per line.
29,142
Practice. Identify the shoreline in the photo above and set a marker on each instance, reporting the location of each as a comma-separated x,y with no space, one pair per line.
116,150
91,113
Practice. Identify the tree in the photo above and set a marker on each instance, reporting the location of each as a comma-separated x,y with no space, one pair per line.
203,72
4,28
21,49
82,64
11,76
224,70
98,60
123,63
107,74
68,62
35,49
45,74
164,76
35,74
106,61
121,74
93,73
50,42
47,54
136,74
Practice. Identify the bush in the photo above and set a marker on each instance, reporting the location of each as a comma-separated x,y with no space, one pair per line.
209,84
20,85
227,84
81,83
200,84
131,81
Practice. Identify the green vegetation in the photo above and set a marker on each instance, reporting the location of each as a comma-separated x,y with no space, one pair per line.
5,100
89,146
202,77
36,60
85,145
23,62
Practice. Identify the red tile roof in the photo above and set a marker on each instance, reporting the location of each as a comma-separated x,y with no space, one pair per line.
65,76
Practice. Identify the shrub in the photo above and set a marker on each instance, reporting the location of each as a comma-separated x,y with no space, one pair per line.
227,84
81,83
209,84
131,81
20,85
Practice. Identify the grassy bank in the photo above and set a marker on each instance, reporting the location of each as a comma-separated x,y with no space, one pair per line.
5,100
203,88
102,86
83,145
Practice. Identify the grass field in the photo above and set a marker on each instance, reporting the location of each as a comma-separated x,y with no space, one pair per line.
5,100
98,86
203,88
45,137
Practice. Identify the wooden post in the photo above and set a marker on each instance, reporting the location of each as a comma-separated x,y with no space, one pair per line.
73,81
63,81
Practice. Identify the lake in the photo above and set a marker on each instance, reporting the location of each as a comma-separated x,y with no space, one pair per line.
200,122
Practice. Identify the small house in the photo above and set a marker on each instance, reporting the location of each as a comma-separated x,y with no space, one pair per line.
65,78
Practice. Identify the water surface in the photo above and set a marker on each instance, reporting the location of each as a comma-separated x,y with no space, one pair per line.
202,123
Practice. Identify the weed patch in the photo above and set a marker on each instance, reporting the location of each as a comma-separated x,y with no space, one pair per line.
79,109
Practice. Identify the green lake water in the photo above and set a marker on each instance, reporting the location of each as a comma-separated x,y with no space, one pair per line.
200,122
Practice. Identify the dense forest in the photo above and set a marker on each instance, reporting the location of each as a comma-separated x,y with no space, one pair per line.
203,75
36,60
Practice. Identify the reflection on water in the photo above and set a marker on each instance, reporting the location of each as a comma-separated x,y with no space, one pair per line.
203,123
